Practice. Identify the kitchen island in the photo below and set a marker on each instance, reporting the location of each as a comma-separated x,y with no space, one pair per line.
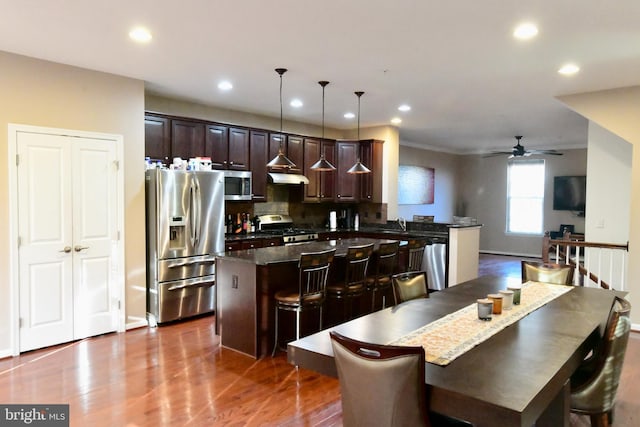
247,280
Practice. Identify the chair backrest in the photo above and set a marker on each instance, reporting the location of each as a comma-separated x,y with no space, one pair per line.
387,259
410,285
380,385
357,262
558,274
313,272
416,254
596,391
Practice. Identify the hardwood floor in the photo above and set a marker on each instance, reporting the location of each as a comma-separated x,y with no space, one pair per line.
178,375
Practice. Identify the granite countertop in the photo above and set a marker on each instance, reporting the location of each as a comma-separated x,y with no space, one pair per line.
291,253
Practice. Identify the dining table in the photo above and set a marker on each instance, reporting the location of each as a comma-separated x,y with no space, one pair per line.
519,376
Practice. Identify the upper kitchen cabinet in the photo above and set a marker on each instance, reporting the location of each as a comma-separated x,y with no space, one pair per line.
295,152
217,143
228,147
321,184
259,152
347,188
238,149
187,139
157,138
371,151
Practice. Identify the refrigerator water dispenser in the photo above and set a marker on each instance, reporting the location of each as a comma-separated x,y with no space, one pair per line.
177,231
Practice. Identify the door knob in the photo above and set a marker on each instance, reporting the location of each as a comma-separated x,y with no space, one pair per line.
66,249
78,248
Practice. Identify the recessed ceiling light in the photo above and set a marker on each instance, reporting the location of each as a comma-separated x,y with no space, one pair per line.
396,120
525,31
569,69
296,103
140,34
349,115
404,107
225,85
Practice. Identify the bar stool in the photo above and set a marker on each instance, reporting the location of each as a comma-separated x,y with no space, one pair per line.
313,270
416,254
353,286
386,263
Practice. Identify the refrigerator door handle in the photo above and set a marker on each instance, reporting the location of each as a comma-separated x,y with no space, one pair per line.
191,261
198,281
198,212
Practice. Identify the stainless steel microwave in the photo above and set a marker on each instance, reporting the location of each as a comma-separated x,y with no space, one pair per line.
237,185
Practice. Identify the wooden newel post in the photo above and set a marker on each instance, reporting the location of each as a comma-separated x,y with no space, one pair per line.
545,247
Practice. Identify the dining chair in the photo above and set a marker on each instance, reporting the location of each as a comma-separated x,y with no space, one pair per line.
385,267
410,285
416,254
557,274
383,385
595,382
313,270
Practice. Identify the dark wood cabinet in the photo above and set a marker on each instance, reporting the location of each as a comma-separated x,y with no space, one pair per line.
228,147
321,184
371,151
217,145
295,152
347,188
259,151
157,138
251,243
238,149
187,139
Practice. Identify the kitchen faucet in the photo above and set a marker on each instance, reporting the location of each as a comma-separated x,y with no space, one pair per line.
403,223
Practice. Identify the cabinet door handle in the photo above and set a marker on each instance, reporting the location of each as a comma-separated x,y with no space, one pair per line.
78,248
66,249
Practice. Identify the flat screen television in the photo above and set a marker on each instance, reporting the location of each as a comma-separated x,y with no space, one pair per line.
569,193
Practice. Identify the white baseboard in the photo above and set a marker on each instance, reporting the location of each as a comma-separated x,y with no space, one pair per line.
137,324
635,327
6,353
510,254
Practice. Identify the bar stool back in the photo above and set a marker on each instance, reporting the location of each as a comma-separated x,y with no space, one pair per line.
313,270
416,254
353,286
386,264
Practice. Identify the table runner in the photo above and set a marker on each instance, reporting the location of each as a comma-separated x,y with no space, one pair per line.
451,336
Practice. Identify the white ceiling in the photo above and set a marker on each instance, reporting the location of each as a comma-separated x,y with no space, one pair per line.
470,84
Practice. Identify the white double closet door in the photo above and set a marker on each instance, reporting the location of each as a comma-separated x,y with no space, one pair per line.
67,214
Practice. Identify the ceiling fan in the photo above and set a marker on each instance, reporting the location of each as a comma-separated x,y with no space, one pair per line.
519,151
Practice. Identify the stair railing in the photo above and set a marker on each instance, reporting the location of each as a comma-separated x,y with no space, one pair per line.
592,261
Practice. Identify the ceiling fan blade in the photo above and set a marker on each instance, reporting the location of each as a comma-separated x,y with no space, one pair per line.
546,152
496,153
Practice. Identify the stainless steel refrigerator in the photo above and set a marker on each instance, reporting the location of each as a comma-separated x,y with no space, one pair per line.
185,229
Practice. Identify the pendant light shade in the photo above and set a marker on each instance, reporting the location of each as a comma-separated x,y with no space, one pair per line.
281,161
359,167
322,165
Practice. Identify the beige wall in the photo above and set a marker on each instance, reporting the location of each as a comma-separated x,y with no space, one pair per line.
41,93
483,192
445,186
618,110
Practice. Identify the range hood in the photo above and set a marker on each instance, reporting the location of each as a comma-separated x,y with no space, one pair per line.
287,178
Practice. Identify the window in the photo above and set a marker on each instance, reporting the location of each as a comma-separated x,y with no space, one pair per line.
525,196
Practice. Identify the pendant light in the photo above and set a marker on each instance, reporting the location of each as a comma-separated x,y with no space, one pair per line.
322,165
281,161
359,167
